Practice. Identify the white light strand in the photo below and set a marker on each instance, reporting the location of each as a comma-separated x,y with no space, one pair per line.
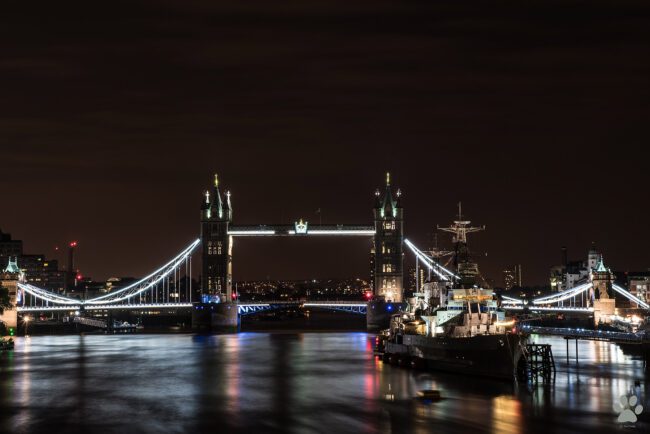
554,298
430,263
507,299
169,267
631,297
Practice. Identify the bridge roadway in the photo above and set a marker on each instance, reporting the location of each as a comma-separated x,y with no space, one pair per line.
247,308
548,308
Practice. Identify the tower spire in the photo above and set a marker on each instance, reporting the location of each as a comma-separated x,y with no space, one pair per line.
387,179
216,206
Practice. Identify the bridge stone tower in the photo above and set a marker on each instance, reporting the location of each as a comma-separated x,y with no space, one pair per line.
216,244
388,258
604,305
9,278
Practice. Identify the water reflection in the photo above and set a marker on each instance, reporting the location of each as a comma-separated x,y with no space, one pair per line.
506,414
289,382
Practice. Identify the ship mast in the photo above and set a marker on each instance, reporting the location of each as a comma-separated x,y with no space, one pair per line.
465,267
461,227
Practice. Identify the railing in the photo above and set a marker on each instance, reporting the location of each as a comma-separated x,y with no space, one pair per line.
579,333
358,307
134,306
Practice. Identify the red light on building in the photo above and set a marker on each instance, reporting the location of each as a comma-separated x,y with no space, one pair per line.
368,295
73,244
79,277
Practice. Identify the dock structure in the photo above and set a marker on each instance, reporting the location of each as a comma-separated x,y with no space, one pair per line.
586,334
540,364
640,340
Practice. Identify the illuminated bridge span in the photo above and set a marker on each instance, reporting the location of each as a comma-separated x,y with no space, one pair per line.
343,306
590,296
169,287
581,298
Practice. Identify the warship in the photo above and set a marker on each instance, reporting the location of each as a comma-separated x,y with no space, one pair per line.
453,323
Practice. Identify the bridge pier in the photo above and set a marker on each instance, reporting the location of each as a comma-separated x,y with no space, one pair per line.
215,317
10,319
378,313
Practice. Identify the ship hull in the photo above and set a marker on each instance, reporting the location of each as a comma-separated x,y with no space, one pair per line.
494,356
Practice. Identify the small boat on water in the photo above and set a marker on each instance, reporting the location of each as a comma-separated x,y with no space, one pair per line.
6,344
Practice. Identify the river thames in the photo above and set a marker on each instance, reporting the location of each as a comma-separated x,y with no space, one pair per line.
259,382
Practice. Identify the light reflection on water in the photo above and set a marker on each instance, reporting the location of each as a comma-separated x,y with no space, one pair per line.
291,382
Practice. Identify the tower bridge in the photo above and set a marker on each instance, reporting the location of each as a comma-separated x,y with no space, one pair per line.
386,231
170,286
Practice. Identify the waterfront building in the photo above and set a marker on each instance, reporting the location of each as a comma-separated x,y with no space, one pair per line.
570,273
38,270
512,277
637,282
416,278
508,279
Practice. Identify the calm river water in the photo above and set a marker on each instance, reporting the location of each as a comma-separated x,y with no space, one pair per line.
291,382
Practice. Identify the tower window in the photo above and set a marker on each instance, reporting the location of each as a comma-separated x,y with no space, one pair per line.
389,226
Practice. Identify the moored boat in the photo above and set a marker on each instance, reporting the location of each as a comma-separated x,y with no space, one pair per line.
6,344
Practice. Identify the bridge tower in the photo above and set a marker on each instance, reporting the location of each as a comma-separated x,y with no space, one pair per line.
387,255
9,278
604,303
216,244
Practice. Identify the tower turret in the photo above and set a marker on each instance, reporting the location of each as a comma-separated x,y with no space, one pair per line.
228,207
205,205
216,208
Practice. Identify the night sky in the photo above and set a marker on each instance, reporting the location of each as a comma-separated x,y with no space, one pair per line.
535,115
